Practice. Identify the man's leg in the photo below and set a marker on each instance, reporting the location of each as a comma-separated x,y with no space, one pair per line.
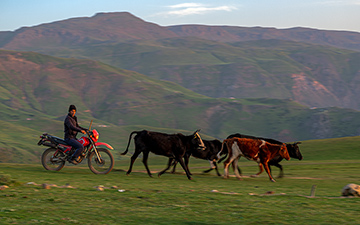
78,146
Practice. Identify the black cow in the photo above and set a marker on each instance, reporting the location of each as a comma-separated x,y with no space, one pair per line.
213,147
293,150
173,146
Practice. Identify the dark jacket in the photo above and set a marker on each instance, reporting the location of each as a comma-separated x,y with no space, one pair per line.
71,127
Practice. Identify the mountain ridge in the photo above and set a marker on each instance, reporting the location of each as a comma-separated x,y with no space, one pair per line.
340,39
296,64
124,26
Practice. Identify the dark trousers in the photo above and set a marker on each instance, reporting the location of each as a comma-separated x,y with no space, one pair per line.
77,145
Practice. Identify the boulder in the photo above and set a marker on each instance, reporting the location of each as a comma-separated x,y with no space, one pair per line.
351,190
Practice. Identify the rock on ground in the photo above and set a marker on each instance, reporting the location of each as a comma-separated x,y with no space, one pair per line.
351,190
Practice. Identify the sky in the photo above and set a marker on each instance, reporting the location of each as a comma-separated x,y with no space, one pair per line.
319,14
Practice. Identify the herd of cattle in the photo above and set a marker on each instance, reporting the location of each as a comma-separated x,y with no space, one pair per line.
179,148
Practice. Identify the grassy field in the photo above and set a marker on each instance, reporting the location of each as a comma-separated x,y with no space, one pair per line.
173,199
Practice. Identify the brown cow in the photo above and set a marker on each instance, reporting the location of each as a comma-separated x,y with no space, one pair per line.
258,150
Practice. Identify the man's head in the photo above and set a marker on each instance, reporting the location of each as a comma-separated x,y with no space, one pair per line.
72,110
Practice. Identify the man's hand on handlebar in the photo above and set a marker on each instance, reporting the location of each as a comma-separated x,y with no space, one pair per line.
83,131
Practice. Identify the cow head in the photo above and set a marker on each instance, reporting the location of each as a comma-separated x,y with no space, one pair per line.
294,150
198,141
284,152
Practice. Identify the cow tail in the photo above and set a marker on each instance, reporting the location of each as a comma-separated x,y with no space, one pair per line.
222,148
127,148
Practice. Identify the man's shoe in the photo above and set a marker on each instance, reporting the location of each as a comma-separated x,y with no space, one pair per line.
75,160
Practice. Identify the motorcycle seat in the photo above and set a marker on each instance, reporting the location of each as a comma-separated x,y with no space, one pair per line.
58,140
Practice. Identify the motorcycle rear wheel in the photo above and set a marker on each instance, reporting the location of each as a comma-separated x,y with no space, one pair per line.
52,161
106,164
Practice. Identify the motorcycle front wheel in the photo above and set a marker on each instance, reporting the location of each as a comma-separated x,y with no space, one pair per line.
51,159
103,165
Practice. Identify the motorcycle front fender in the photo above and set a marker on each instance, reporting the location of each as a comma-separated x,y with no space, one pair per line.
102,143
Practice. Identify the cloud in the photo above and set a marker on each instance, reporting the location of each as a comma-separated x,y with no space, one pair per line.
186,9
185,5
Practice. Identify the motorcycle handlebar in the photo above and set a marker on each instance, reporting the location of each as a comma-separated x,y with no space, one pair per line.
89,132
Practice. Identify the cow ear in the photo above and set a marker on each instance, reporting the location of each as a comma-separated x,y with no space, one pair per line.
198,130
297,143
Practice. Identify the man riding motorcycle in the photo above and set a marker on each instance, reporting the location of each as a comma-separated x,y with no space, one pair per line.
71,128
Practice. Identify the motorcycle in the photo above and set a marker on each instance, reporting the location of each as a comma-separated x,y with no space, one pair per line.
100,160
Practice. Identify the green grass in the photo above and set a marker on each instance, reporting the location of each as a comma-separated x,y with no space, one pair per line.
173,199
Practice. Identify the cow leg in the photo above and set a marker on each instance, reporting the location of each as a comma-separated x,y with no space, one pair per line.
238,168
181,161
268,171
235,166
239,171
174,167
229,160
261,169
132,160
186,161
145,158
212,166
281,174
207,171
226,168
216,169
168,166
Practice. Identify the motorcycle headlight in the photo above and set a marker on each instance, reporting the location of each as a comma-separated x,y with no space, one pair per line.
95,135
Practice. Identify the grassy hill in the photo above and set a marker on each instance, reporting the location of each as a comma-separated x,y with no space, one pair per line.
36,91
313,75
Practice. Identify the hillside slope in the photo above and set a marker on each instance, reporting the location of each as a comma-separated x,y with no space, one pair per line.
36,90
216,61
312,75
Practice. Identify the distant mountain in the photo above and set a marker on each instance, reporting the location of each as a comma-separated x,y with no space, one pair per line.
339,39
123,26
103,27
216,61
